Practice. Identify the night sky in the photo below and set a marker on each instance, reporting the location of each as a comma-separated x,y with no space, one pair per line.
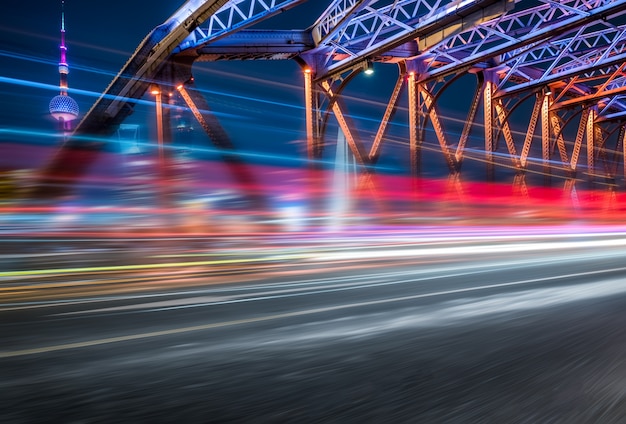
260,103
100,38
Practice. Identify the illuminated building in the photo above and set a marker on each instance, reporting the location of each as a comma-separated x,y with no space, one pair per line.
62,107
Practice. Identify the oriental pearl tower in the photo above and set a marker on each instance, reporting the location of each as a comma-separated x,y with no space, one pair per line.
62,107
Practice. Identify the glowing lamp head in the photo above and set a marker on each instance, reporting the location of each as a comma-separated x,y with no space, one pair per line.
154,89
369,68
63,108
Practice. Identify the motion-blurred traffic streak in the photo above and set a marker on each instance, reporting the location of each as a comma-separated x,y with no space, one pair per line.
436,325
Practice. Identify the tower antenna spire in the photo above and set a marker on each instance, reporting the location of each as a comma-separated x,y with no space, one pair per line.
62,107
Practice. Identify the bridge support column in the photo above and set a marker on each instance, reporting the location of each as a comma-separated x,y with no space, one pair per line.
591,135
162,177
414,143
545,137
622,139
314,143
313,132
490,85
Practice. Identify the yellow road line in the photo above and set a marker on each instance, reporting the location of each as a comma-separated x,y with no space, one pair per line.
79,284
29,288
141,266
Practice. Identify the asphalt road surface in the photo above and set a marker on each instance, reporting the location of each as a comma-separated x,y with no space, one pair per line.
466,328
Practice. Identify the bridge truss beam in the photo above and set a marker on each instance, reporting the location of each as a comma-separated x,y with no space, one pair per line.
359,31
569,53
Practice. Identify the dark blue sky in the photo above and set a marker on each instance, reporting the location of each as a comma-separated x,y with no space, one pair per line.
100,38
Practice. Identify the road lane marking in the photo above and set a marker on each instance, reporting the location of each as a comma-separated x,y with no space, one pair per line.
363,252
352,286
144,266
475,249
423,274
192,273
160,304
182,330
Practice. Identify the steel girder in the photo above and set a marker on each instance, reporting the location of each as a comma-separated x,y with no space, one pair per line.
80,150
346,125
117,101
352,32
142,68
415,121
574,42
335,17
233,16
526,50
390,110
602,159
534,48
251,44
607,91
488,113
356,30
564,44
181,34
429,104
580,70
201,111
577,49
491,43
313,119
469,122
317,119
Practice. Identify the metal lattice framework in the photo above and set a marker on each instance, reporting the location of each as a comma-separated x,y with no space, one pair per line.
234,16
564,57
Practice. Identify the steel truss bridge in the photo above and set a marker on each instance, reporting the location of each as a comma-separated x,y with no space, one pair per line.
566,58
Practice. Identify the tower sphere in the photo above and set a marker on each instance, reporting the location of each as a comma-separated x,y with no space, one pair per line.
63,108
